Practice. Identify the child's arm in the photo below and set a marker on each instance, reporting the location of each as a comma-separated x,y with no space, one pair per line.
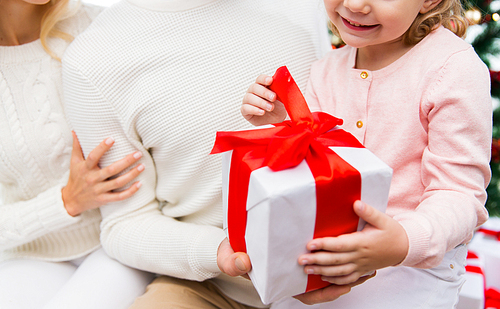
260,105
344,259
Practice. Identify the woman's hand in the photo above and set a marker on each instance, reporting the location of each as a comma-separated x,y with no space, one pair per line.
89,186
259,103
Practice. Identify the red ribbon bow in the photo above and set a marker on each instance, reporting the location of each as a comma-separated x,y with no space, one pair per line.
289,142
307,136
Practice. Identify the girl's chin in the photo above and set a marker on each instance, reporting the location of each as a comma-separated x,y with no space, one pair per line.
353,42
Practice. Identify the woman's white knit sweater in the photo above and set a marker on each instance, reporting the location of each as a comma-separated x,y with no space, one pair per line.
164,82
35,149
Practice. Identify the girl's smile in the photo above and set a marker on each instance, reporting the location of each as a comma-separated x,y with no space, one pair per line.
357,26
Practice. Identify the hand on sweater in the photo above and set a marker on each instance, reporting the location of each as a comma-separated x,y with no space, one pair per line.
259,103
89,186
344,259
232,263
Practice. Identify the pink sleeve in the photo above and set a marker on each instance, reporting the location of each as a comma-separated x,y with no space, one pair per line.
456,112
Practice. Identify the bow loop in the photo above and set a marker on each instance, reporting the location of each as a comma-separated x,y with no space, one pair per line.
289,147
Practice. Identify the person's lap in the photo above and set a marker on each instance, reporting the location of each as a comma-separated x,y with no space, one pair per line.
26,284
98,282
167,292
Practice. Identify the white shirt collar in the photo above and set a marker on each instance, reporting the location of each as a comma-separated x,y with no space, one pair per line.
169,5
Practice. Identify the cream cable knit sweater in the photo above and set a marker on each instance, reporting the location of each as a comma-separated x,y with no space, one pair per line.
35,149
163,83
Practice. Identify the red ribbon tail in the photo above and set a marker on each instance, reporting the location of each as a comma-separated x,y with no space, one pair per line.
290,95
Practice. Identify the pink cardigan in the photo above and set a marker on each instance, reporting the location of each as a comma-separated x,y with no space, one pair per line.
429,116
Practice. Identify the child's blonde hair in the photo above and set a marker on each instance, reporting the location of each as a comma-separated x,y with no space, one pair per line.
58,11
449,13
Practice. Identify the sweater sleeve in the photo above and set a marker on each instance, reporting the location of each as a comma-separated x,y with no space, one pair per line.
135,231
457,114
25,221
311,97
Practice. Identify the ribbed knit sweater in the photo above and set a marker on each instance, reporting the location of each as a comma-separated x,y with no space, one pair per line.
164,82
35,149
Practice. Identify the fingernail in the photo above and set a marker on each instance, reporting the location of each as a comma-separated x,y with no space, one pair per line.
361,206
270,96
239,264
137,155
140,168
304,262
313,247
268,80
269,107
138,185
310,271
109,141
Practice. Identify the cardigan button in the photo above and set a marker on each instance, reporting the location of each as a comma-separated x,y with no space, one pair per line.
359,124
364,75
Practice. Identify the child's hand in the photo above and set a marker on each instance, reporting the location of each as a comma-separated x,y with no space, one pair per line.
344,259
259,103
329,293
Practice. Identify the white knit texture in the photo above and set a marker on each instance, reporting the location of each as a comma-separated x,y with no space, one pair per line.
164,83
35,148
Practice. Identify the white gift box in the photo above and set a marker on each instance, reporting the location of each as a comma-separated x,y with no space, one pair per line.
281,214
488,246
472,293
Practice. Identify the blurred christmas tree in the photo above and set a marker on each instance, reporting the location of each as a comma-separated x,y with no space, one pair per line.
484,35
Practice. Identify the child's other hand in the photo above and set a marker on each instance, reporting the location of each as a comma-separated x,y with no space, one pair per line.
344,259
329,293
260,105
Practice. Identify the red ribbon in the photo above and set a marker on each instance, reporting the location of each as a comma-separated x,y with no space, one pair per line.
307,136
492,298
495,234
472,255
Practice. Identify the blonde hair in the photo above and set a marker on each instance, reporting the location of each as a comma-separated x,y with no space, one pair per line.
448,13
58,11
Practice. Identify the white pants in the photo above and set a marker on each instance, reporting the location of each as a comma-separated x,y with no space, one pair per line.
94,282
402,288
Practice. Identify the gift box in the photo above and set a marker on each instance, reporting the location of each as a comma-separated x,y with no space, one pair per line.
472,294
285,184
492,299
486,242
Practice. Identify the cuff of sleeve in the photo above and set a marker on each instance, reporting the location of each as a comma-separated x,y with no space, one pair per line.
53,215
204,251
418,242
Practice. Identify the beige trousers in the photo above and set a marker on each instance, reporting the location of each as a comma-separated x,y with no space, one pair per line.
167,292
